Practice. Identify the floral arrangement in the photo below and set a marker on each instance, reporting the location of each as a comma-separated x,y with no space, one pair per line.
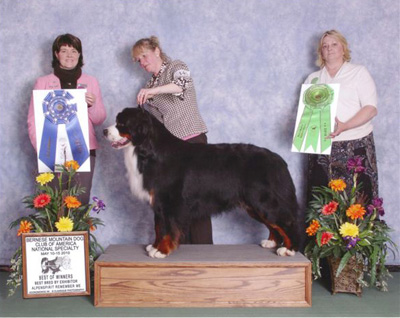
343,225
57,209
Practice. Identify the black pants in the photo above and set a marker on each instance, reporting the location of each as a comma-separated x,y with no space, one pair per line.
200,231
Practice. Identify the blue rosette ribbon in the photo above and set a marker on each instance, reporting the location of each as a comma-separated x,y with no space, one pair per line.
58,108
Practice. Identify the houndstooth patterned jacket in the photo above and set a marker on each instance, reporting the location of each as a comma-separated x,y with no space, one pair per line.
178,112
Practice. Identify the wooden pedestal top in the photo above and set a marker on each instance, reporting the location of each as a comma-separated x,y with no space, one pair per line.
202,254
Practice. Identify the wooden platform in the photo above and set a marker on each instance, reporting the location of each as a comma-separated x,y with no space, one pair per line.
202,276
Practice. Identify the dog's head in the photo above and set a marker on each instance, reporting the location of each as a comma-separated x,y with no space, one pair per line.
132,126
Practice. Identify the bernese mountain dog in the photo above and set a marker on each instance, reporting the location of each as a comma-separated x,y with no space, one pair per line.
183,182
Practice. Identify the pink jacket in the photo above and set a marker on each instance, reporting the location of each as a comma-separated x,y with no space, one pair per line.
97,113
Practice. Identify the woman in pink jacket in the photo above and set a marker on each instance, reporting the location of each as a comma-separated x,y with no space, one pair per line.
67,64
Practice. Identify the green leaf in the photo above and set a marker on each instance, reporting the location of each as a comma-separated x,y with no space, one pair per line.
364,242
343,263
337,252
373,261
365,234
38,228
319,236
327,251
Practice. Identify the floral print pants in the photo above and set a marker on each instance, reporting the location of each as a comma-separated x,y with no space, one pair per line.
323,168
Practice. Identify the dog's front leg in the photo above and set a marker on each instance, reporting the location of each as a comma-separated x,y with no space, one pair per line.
152,248
167,238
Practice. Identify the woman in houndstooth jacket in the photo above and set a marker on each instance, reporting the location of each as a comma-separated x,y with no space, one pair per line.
171,97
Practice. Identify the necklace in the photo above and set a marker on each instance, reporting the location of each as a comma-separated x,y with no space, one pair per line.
155,78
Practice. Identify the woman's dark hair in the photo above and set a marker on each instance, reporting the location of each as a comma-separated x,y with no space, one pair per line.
68,40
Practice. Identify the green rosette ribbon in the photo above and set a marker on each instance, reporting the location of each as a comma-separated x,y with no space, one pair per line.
315,121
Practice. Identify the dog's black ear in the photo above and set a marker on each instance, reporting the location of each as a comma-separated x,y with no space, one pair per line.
139,127
142,136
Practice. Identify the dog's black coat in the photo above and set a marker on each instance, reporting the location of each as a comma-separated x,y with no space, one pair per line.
187,181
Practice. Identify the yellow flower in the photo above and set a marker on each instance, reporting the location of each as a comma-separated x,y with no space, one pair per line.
348,229
72,202
44,178
72,164
355,211
24,227
337,185
313,228
64,224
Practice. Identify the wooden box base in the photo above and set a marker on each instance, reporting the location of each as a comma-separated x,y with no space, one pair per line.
202,276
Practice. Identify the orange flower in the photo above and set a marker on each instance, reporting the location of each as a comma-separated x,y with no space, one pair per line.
72,164
92,227
24,227
329,208
72,202
41,200
355,211
337,185
313,228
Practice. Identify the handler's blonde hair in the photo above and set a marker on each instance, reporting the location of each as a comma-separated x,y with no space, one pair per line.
150,43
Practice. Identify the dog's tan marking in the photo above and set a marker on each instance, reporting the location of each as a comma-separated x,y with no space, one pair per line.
271,227
167,245
152,197
286,240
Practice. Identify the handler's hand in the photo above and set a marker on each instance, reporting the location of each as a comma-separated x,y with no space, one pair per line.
339,128
144,94
90,99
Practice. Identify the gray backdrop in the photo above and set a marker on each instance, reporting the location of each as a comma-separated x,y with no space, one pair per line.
248,59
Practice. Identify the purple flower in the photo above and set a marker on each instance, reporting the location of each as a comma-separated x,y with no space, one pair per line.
99,206
355,164
376,204
351,242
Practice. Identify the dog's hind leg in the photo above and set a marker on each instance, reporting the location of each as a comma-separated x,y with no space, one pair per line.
272,240
274,229
287,249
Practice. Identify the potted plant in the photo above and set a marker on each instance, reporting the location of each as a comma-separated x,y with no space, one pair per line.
56,209
350,233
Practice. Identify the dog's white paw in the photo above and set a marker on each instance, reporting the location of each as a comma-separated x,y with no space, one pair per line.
155,253
290,253
283,251
152,252
150,247
268,244
158,254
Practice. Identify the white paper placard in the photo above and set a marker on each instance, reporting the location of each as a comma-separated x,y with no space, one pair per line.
63,148
55,264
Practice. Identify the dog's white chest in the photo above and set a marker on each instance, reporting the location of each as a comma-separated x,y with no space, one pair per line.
134,176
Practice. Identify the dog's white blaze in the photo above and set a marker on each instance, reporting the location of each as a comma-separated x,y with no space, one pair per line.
134,176
113,134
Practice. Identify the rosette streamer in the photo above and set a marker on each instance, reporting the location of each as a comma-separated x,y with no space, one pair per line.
59,109
315,122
